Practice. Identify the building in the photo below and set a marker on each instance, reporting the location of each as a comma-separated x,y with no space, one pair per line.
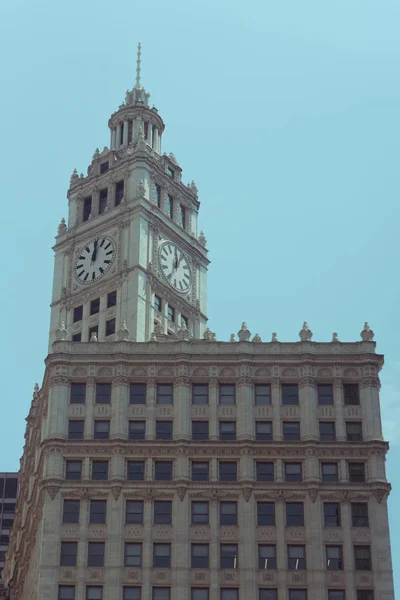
162,464
8,498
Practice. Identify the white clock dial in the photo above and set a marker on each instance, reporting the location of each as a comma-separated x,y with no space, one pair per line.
175,267
94,259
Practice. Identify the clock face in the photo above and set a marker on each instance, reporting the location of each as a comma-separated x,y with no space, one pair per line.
175,267
94,259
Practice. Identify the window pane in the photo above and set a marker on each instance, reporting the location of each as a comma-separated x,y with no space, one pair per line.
199,513
96,554
291,431
134,512
70,511
354,431
229,594
98,510
227,430
359,514
73,469
162,512
200,594
94,592
200,471
227,471
135,470
351,394
329,471
101,430
199,430
163,470
362,558
133,555
132,593
294,514
336,595
111,299
227,394
75,430
327,431
296,557
137,393
229,556
200,393
103,393
100,469
266,556
266,514
68,554
297,594
161,593
66,592
325,394
200,553
137,430
78,393
268,594
228,513
262,394
164,430
356,472
334,560
293,472
290,394
264,471
263,430
165,393
331,514
162,556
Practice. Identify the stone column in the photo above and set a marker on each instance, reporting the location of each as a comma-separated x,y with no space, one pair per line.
315,550
117,467
90,400
380,549
119,135
246,470
308,409
338,400
280,532
312,472
147,558
376,465
182,403
214,469
280,476
213,400
57,411
348,555
125,134
214,551
150,134
180,559
151,404
369,399
120,399
248,549
276,409
112,139
156,141
245,427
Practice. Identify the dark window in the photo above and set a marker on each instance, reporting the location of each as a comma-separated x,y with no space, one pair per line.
103,393
362,558
200,556
229,556
95,306
334,558
161,593
296,557
359,514
171,313
170,172
199,430
103,196
78,313
229,594
77,337
157,195
228,513
163,470
78,393
111,299
93,330
336,595
265,514
227,430
227,393
137,394
134,512
327,431
135,470
146,131
11,491
100,469
94,592
87,207
356,472
75,430
110,327
71,511
104,167
165,393
351,394
96,554
163,430
262,394
199,513
182,215
293,472
119,192
162,556
157,303
263,431
331,514
162,512
68,555
290,394
200,471
4,539
325,394
98,511
200,393
227,471
133,555
294,514
268,594
264,471
184,321
66,592
137,430
169,205
365,594
101,430
132,593
199,594
291,431
329,472
7,523
354,431
297,594
266,556
73,469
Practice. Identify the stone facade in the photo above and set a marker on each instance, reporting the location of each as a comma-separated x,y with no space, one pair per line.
8,496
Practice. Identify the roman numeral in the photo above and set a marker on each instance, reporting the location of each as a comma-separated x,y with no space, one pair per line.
108,245
101,269
175,282
180,285
186,275
109,252
164,267
170,249
81,273
87,249
185,267
102,242
82,258
93,275
86,276
107,262
79,267
169,276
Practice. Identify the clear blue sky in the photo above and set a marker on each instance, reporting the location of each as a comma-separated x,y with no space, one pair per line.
285,113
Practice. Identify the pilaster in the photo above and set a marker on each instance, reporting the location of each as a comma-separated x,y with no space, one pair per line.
369,398
308,408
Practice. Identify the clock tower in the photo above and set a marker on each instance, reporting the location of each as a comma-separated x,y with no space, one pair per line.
130,263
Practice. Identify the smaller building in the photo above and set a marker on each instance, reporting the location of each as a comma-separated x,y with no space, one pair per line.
8,498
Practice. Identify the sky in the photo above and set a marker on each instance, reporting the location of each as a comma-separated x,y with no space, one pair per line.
286,115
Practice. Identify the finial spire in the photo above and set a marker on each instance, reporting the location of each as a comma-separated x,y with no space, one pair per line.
138,86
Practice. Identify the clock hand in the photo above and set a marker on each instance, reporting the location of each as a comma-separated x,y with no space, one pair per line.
94,251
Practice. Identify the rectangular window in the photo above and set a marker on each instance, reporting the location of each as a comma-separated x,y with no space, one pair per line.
200,556
96,554
110,327
297,594
351,394
171,313
336,595
228,513
354,431
77,337
157,303
325,394
98,511
170,172
95,306
227,471
266,556
262,394
291,431
229,556
359,514
263,431
362,558
137,393
93,331
132,593
75,430
332,514
227,393
133,555
200,513
137,430
184,321
266,514
100,470
78,393
334,558
200,393
296,557
68,554
78,313
199,594
104,167
94,592
66,592
161,593
103,196
165,393
162,512
290,394
163,430
229,594
119,192
356,472
200,471
169,205
329,472
73,469
134,512
162,556
157,194
268,594
199,430
327,431
103,393
101,430
111,299
227,430
264,471
365,594
135,470
182,215
87,208
293,472
163,470
294,514
71,509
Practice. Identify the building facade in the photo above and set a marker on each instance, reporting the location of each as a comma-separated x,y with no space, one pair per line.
8,498
162,464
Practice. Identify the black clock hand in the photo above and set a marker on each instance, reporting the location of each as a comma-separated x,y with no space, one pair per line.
94,250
